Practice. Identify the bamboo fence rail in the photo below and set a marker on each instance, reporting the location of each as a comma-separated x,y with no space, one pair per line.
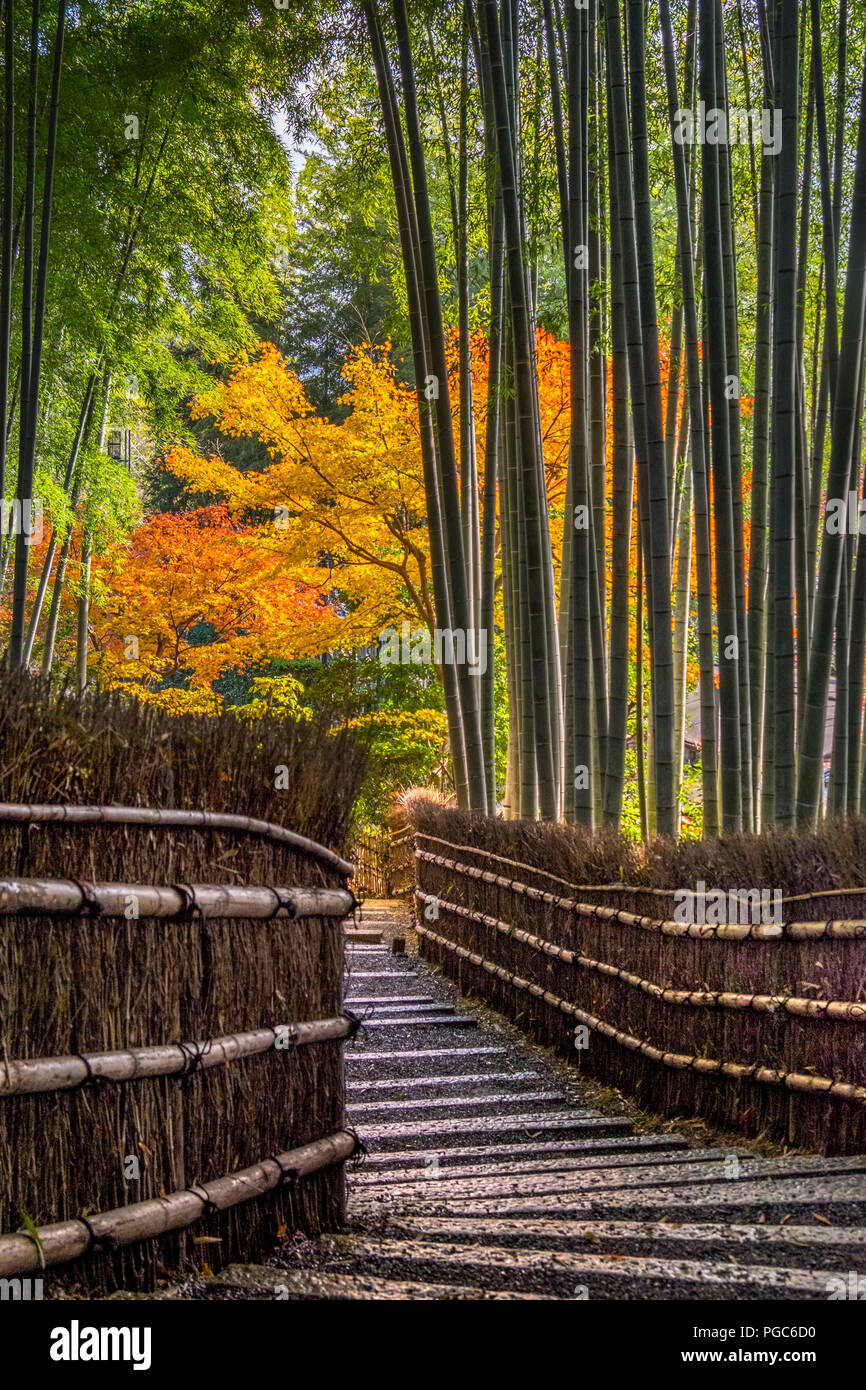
36,1075
20,814
846,1010
69,898
749,1025
64,1241
820,1085
96,992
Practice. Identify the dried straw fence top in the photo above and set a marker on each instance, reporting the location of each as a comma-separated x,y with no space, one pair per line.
751,1025
107,751
847,929
813,868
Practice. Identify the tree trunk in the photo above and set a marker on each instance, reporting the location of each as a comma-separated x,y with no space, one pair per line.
33,314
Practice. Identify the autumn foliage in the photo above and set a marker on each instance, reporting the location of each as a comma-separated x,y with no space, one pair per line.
195,596
321,549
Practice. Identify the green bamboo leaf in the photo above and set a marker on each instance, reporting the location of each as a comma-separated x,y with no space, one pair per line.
33,1232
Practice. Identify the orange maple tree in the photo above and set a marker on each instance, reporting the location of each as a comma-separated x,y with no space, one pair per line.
195,596
320,550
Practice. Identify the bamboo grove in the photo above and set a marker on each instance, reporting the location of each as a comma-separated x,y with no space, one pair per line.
678,190
143,189
736,128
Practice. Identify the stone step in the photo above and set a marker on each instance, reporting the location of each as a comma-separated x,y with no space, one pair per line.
815,1247
584,1163
652,1174
567,1274
464,1083
364,1112
399,1004
262,1281
383,975
411,1061
362,936
437,1020
174,1292
832,1201
433,1134
364,997
608,1149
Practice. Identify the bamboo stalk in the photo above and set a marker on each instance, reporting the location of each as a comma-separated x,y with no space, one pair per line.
845,415
7,253
538,614
622,504
66,897
429,285
183,820
70,1240
409,242
35,1075
33,309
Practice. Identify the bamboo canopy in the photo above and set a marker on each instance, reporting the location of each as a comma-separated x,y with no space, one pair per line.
67,897
69,1240
20,813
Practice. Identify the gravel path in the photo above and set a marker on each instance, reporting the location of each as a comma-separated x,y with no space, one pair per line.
494,1172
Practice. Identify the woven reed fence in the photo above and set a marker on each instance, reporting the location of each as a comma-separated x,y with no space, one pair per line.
194,1051
760,1028
371,856
384,860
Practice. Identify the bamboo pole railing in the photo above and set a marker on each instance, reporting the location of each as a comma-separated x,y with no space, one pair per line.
15,813
70,1240
844,1010
769,1076
643,888
792,931
36,1075
68,897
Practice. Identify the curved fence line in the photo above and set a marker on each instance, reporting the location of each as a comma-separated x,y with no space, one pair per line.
69,898
792,931
845,1010
37,1075
70,1240
22,814
792,1081
619,887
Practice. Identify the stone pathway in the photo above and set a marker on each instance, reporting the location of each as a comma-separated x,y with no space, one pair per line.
492,1174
